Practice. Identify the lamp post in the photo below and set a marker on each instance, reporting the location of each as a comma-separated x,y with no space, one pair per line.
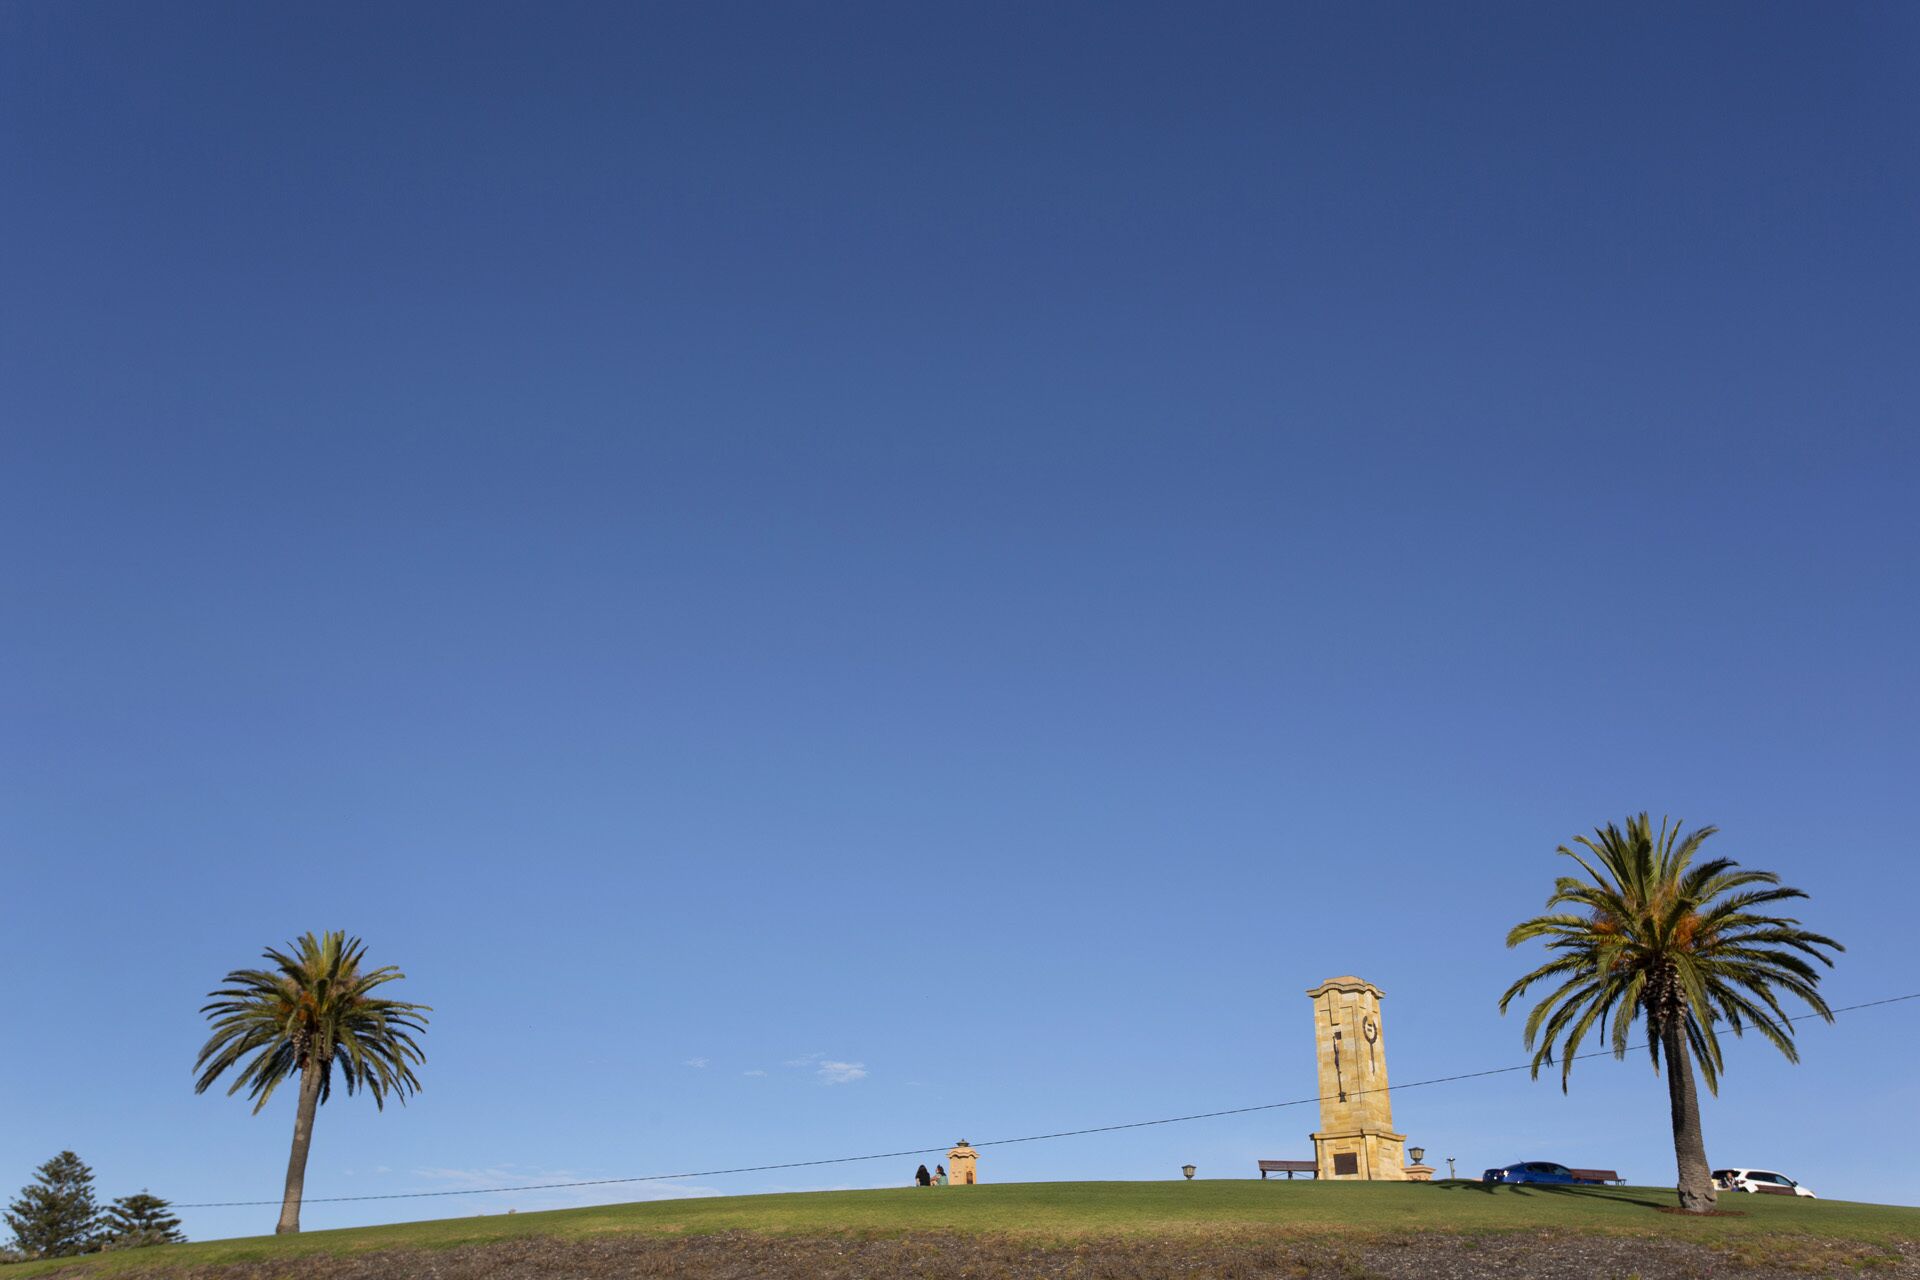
1450,1173
1188,1170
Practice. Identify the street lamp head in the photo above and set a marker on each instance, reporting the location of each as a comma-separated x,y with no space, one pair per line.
1188,1170
1418,1153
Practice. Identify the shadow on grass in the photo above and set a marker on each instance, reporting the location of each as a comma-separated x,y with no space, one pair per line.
1470,1184
1616,1195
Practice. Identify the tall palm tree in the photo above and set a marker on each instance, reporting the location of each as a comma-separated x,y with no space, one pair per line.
1649,933
313,1011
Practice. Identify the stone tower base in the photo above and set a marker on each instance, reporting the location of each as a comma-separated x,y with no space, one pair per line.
1373,1155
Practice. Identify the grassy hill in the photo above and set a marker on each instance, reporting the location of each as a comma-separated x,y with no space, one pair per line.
1059,1214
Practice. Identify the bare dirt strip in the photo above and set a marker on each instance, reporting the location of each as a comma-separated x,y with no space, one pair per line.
746,1256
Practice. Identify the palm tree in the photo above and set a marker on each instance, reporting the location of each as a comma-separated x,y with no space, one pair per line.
313,1011
1650,933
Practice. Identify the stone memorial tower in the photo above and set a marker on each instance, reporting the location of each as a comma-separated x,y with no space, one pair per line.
1356,1138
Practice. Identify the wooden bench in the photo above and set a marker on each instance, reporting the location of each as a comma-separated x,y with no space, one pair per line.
1606,1177
1288,1167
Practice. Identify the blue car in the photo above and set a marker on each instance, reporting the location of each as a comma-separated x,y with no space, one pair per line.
1531,1171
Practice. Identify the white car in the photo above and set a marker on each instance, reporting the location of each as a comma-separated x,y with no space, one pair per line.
1759,1182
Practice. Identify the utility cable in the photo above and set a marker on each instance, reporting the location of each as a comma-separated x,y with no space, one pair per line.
921,1151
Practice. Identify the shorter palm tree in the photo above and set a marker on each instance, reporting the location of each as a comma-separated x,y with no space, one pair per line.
313,1011
1650,933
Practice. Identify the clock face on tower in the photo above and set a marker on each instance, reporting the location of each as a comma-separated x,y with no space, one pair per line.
1370,1029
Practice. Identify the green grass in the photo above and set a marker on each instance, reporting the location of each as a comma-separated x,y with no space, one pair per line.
1062,1210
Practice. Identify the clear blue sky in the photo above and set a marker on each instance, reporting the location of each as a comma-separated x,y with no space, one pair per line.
990,546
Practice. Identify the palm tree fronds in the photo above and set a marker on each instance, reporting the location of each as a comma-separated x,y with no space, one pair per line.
1656,931
313,1007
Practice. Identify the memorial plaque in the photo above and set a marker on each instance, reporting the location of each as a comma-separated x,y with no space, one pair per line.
1345,1163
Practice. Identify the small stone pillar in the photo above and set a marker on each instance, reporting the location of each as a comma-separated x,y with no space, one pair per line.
962,1165
1419,1172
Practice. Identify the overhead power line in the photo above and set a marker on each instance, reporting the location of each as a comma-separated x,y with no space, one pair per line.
922,1151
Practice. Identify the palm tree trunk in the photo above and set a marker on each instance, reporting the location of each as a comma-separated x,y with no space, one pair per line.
302,1141
1689,1147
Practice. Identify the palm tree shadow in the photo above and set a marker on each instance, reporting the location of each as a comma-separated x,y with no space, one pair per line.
1618,1195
